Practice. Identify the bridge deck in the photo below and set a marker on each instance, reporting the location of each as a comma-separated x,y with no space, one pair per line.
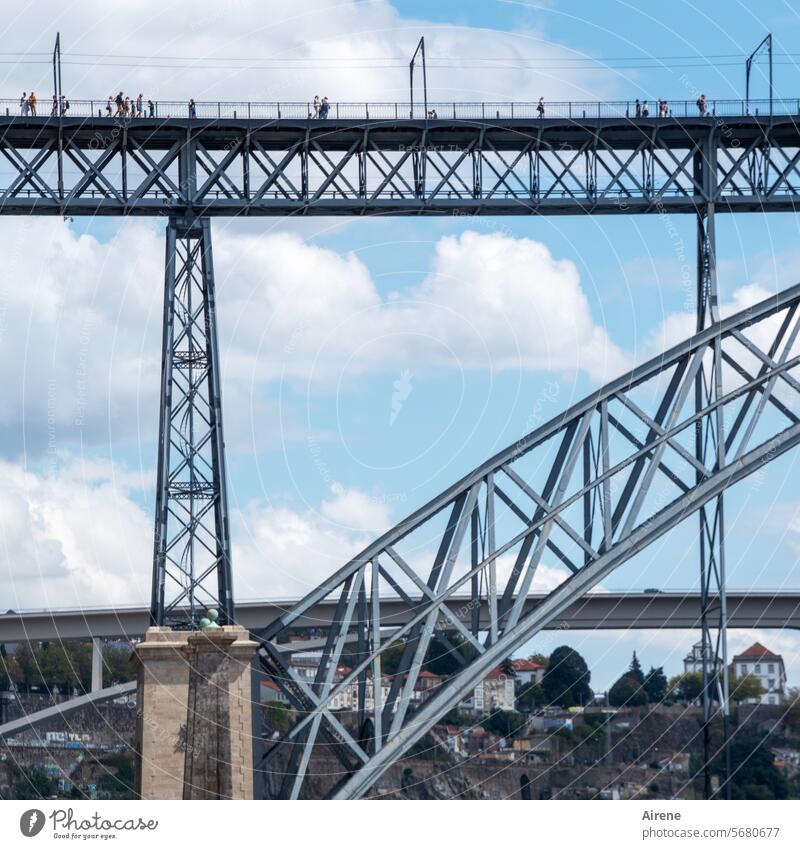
596,611
388,166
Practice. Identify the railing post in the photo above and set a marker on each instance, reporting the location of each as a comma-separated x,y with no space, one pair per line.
219,110
248,110
279,110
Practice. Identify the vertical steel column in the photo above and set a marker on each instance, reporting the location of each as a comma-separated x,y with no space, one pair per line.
192,549
710,450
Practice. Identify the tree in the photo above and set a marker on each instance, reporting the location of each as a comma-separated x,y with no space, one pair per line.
746,687
566,680
627,692
538,658
635,670
117,666
655,685
690,685
504,723
753,772
530,696
791,713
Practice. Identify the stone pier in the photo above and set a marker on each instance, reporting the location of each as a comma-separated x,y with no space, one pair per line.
194,733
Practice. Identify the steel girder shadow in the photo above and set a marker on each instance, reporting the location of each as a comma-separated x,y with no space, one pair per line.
592,487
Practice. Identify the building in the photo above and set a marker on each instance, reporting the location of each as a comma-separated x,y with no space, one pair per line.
495,692
528,671
761,663
693,662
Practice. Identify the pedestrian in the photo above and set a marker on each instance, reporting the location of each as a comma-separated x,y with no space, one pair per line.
109,107
664,109
317,105
120,101
324,108
127,107
701,105
645,110
23,104
64,104
54,108
192,108
638,108
540,107
151,109
139,106
32,102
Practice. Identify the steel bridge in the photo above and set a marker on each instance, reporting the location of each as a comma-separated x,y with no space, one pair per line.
190,168
592,487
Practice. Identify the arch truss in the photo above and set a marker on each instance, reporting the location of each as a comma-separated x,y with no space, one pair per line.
584,492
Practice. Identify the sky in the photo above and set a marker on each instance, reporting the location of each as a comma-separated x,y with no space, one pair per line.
484,322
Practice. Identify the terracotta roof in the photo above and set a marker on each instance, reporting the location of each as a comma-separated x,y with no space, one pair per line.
452,730
756,651
496,673
426,674
269,684
521,664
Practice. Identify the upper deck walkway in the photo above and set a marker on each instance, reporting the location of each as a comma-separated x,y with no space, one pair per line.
278,159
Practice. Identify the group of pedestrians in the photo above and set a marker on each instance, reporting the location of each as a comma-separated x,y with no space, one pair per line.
127,107
28,104
321,107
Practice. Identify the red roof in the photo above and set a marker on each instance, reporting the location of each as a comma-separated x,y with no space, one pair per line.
496,673
756,651
452,730
270,684
520,664
426,674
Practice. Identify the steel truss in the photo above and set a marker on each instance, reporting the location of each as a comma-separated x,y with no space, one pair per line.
192,549
591,488
74,166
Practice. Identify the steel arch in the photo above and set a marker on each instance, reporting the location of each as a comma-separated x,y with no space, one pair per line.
593,486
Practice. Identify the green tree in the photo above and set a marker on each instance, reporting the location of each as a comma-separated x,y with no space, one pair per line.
504,723
626,692
687,687
441,658
655,684
635,670
753,773
791,710
746,687
117,665
32,783
530,696
538,658
566,679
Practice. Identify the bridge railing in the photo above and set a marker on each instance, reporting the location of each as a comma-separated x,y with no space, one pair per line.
461,110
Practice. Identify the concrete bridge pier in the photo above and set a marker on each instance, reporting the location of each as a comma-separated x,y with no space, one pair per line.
194,717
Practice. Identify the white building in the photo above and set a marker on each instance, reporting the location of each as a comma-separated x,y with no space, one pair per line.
761,663
693,662
528,671
495,692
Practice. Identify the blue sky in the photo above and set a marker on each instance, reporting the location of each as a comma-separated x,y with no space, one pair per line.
317,464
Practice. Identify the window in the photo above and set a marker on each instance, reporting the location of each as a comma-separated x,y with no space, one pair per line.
771,683
758,668
772,700
771,668
744,669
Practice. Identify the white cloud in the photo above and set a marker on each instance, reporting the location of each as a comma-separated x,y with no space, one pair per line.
73,537
81,338
272,50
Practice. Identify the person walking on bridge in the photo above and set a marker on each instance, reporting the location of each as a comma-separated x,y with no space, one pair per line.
139,106
151,109
701,105
645,110
23,104
32,102
540,108
54,107
324,108
192,108
317,106
638,109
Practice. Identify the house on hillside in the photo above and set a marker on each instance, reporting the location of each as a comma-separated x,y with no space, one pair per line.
768,667
528,671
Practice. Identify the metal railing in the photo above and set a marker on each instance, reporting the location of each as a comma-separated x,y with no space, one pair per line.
461,110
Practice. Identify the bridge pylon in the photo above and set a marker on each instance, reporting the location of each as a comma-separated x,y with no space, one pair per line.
192,545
